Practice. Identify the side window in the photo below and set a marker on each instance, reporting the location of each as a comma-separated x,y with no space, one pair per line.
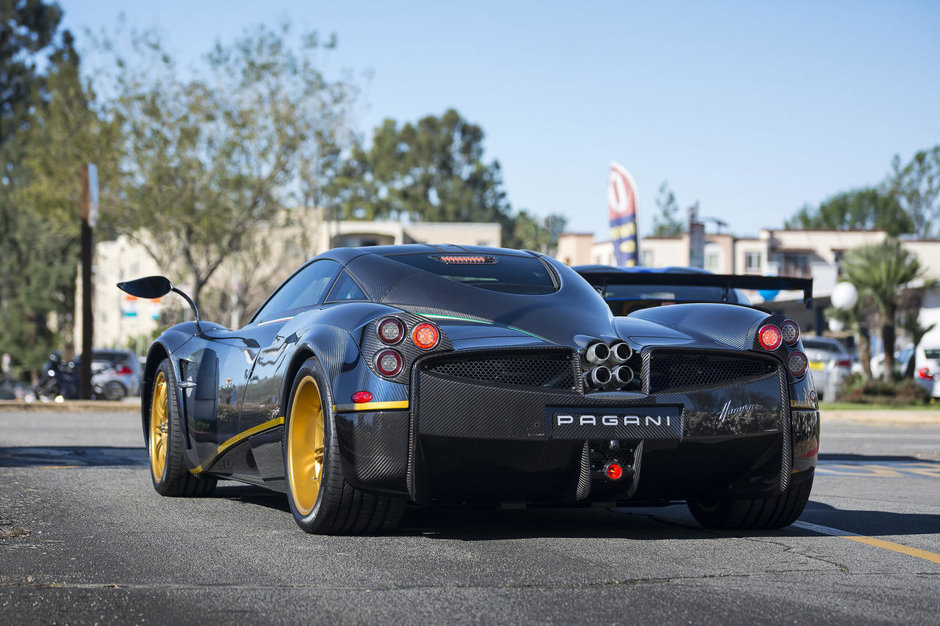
346,289
306,288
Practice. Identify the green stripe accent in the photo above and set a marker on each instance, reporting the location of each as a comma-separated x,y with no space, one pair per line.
455,317
470,319
525,332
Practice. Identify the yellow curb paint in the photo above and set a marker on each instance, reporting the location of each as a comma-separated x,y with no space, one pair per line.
873,470
933,557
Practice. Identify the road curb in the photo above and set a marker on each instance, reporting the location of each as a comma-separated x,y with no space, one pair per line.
71,406
882,416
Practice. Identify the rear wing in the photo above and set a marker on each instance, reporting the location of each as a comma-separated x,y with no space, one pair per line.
601,279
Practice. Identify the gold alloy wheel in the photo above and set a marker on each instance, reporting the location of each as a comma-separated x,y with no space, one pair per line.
159,427
305,435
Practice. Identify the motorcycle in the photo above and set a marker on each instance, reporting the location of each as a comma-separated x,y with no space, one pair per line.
62,380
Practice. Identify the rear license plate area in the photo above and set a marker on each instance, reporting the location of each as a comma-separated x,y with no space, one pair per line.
661,422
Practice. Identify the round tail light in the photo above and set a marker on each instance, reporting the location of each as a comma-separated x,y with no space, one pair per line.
797,363
390,330
769,337
425,336
790,331
389,363
614,471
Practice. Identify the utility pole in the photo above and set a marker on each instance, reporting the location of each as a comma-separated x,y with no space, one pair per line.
89,212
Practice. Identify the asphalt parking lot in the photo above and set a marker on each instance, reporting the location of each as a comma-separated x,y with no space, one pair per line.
85,539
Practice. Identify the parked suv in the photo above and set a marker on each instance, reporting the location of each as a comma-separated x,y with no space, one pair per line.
829,364
116,372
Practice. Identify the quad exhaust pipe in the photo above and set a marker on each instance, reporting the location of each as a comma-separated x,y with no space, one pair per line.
597,353
597,377
607,367
622,375
620,352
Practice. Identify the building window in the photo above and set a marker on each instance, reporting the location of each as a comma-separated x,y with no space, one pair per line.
753,263
795,264
711,261
646,258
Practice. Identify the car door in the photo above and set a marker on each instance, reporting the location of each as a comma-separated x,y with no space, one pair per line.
303,291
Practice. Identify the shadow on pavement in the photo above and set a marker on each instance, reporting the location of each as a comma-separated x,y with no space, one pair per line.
73,456
866,522
252,495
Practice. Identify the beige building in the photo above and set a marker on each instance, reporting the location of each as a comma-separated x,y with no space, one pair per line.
121,319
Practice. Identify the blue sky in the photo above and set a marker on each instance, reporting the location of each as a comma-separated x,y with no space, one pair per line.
753,109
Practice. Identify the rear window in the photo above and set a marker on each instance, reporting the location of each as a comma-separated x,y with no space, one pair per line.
496,272
815,344
932,353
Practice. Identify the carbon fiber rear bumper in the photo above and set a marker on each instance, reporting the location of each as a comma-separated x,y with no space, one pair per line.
465,441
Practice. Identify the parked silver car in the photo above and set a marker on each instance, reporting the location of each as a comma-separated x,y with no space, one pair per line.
116,372
829,363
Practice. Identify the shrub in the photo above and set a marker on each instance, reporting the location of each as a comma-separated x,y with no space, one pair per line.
875,391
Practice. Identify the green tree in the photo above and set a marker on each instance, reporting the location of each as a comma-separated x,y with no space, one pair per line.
42,116
526,231
916,185
868,208
667,223
434,171
881,271
856,320
206,160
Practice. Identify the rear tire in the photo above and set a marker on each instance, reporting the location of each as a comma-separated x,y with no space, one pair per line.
113,390
773,512
168,471
321,500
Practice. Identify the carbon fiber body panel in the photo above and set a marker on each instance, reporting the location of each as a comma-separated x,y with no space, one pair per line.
485,424
373,447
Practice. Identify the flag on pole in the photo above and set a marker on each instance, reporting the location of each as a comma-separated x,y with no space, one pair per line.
621,204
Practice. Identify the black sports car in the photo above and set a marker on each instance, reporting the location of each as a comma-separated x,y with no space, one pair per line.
376,377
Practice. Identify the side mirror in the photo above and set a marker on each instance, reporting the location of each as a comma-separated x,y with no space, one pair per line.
156,287
148,287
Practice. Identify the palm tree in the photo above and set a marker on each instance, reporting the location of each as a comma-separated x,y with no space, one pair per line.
881,272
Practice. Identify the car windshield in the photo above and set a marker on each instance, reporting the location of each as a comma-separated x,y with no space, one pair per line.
496,272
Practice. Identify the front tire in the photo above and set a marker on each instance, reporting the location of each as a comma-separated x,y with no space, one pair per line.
168,471
774,512
321,500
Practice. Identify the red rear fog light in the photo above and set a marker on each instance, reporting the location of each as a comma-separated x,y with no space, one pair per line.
614,471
